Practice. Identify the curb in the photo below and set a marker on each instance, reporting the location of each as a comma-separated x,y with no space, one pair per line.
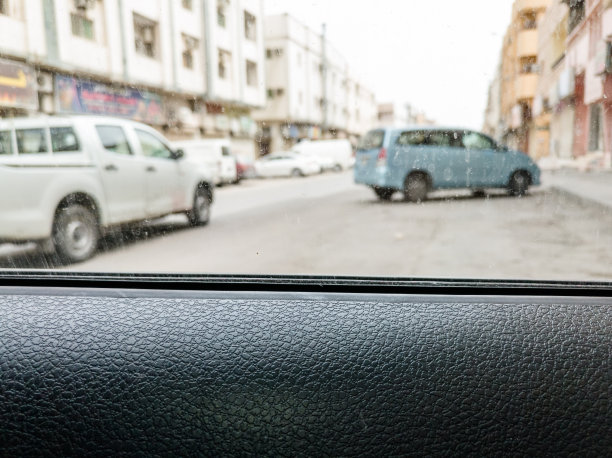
581,198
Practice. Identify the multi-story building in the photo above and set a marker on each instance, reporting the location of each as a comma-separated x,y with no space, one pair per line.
310,90
492,124
399,115
519,74
198,65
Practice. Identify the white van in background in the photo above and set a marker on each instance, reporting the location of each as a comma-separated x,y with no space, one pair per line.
214,153
66,179
336,154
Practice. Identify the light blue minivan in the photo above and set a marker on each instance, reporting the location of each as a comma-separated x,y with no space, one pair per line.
417,160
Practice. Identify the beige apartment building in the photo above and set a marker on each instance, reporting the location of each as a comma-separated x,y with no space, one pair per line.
519,76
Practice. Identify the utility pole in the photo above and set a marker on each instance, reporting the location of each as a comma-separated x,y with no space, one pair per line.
324,79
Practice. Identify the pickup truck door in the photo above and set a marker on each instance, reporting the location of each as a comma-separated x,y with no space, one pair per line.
163,190
122,174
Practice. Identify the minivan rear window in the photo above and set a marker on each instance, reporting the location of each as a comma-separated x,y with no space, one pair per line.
64,140
6,145
31,141
373,139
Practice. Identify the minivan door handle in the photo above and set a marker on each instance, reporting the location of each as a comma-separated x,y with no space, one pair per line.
111,168
151,169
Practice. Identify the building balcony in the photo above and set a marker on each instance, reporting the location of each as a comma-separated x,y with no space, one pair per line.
526,5
525,86
527,43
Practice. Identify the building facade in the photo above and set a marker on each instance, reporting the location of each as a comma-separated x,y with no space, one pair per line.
311,92
155,61
519,75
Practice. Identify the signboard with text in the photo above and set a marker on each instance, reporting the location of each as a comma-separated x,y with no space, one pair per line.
82,96
18,86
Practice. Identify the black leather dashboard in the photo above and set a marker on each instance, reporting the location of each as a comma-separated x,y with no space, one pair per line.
154,372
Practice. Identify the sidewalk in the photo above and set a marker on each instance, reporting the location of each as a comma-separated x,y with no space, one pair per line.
591,187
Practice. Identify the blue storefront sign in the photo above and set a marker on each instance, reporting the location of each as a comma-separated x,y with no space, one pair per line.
75,95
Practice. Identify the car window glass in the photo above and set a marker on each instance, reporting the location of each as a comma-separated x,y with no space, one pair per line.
63,140
439,139
6,145
152,146
412,138
474,140
114,140
373,139
31,141
225,151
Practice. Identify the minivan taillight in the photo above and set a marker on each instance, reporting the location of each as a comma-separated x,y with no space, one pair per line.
382,157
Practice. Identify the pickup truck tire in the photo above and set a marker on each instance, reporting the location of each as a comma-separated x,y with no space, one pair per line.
200,213
416,187
75,234
519,183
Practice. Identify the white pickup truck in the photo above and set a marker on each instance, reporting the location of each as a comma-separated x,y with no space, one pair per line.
66,179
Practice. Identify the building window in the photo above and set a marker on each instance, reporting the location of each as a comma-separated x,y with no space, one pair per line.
272,53
528,21
190,46
250,30
145,36
251,73
528,64
4,9
224,64
576,13
82,26
221,16
187,4
595,127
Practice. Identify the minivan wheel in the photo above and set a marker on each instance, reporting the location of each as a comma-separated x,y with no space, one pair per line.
200,213
519,183
383,193
75,234
416,187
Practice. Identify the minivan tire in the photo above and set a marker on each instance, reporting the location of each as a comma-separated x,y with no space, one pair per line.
75,234
384,193
519,183
416,187
200,213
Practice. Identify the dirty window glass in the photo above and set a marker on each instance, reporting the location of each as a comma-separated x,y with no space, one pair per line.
31,141
412,139
6,142
113,139
64,140
152,146
473,140
373,139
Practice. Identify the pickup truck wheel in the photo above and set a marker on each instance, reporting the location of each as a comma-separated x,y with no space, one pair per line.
384,193
75,234
519,183
200,213
416,187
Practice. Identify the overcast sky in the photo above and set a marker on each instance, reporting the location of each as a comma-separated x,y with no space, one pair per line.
438,55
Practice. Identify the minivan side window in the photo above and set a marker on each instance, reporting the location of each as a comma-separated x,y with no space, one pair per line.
373,139
412,138
64,140
31,141
114,140
6,143
474,140
152,146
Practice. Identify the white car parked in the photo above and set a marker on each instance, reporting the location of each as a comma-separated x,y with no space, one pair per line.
337,153
215,153
286,164
67,179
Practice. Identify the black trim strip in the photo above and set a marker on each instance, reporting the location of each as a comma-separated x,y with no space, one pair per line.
315,284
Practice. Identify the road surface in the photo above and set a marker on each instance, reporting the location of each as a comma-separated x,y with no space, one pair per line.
328,225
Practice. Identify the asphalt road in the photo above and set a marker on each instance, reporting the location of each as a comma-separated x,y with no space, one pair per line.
328,225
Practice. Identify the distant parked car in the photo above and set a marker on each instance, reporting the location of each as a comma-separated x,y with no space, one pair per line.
286,164
215,153
332,154
418,160
244,168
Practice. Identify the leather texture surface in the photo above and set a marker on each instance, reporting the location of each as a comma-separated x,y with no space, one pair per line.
301,377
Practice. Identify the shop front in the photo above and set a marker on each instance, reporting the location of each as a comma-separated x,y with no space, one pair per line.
18,89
